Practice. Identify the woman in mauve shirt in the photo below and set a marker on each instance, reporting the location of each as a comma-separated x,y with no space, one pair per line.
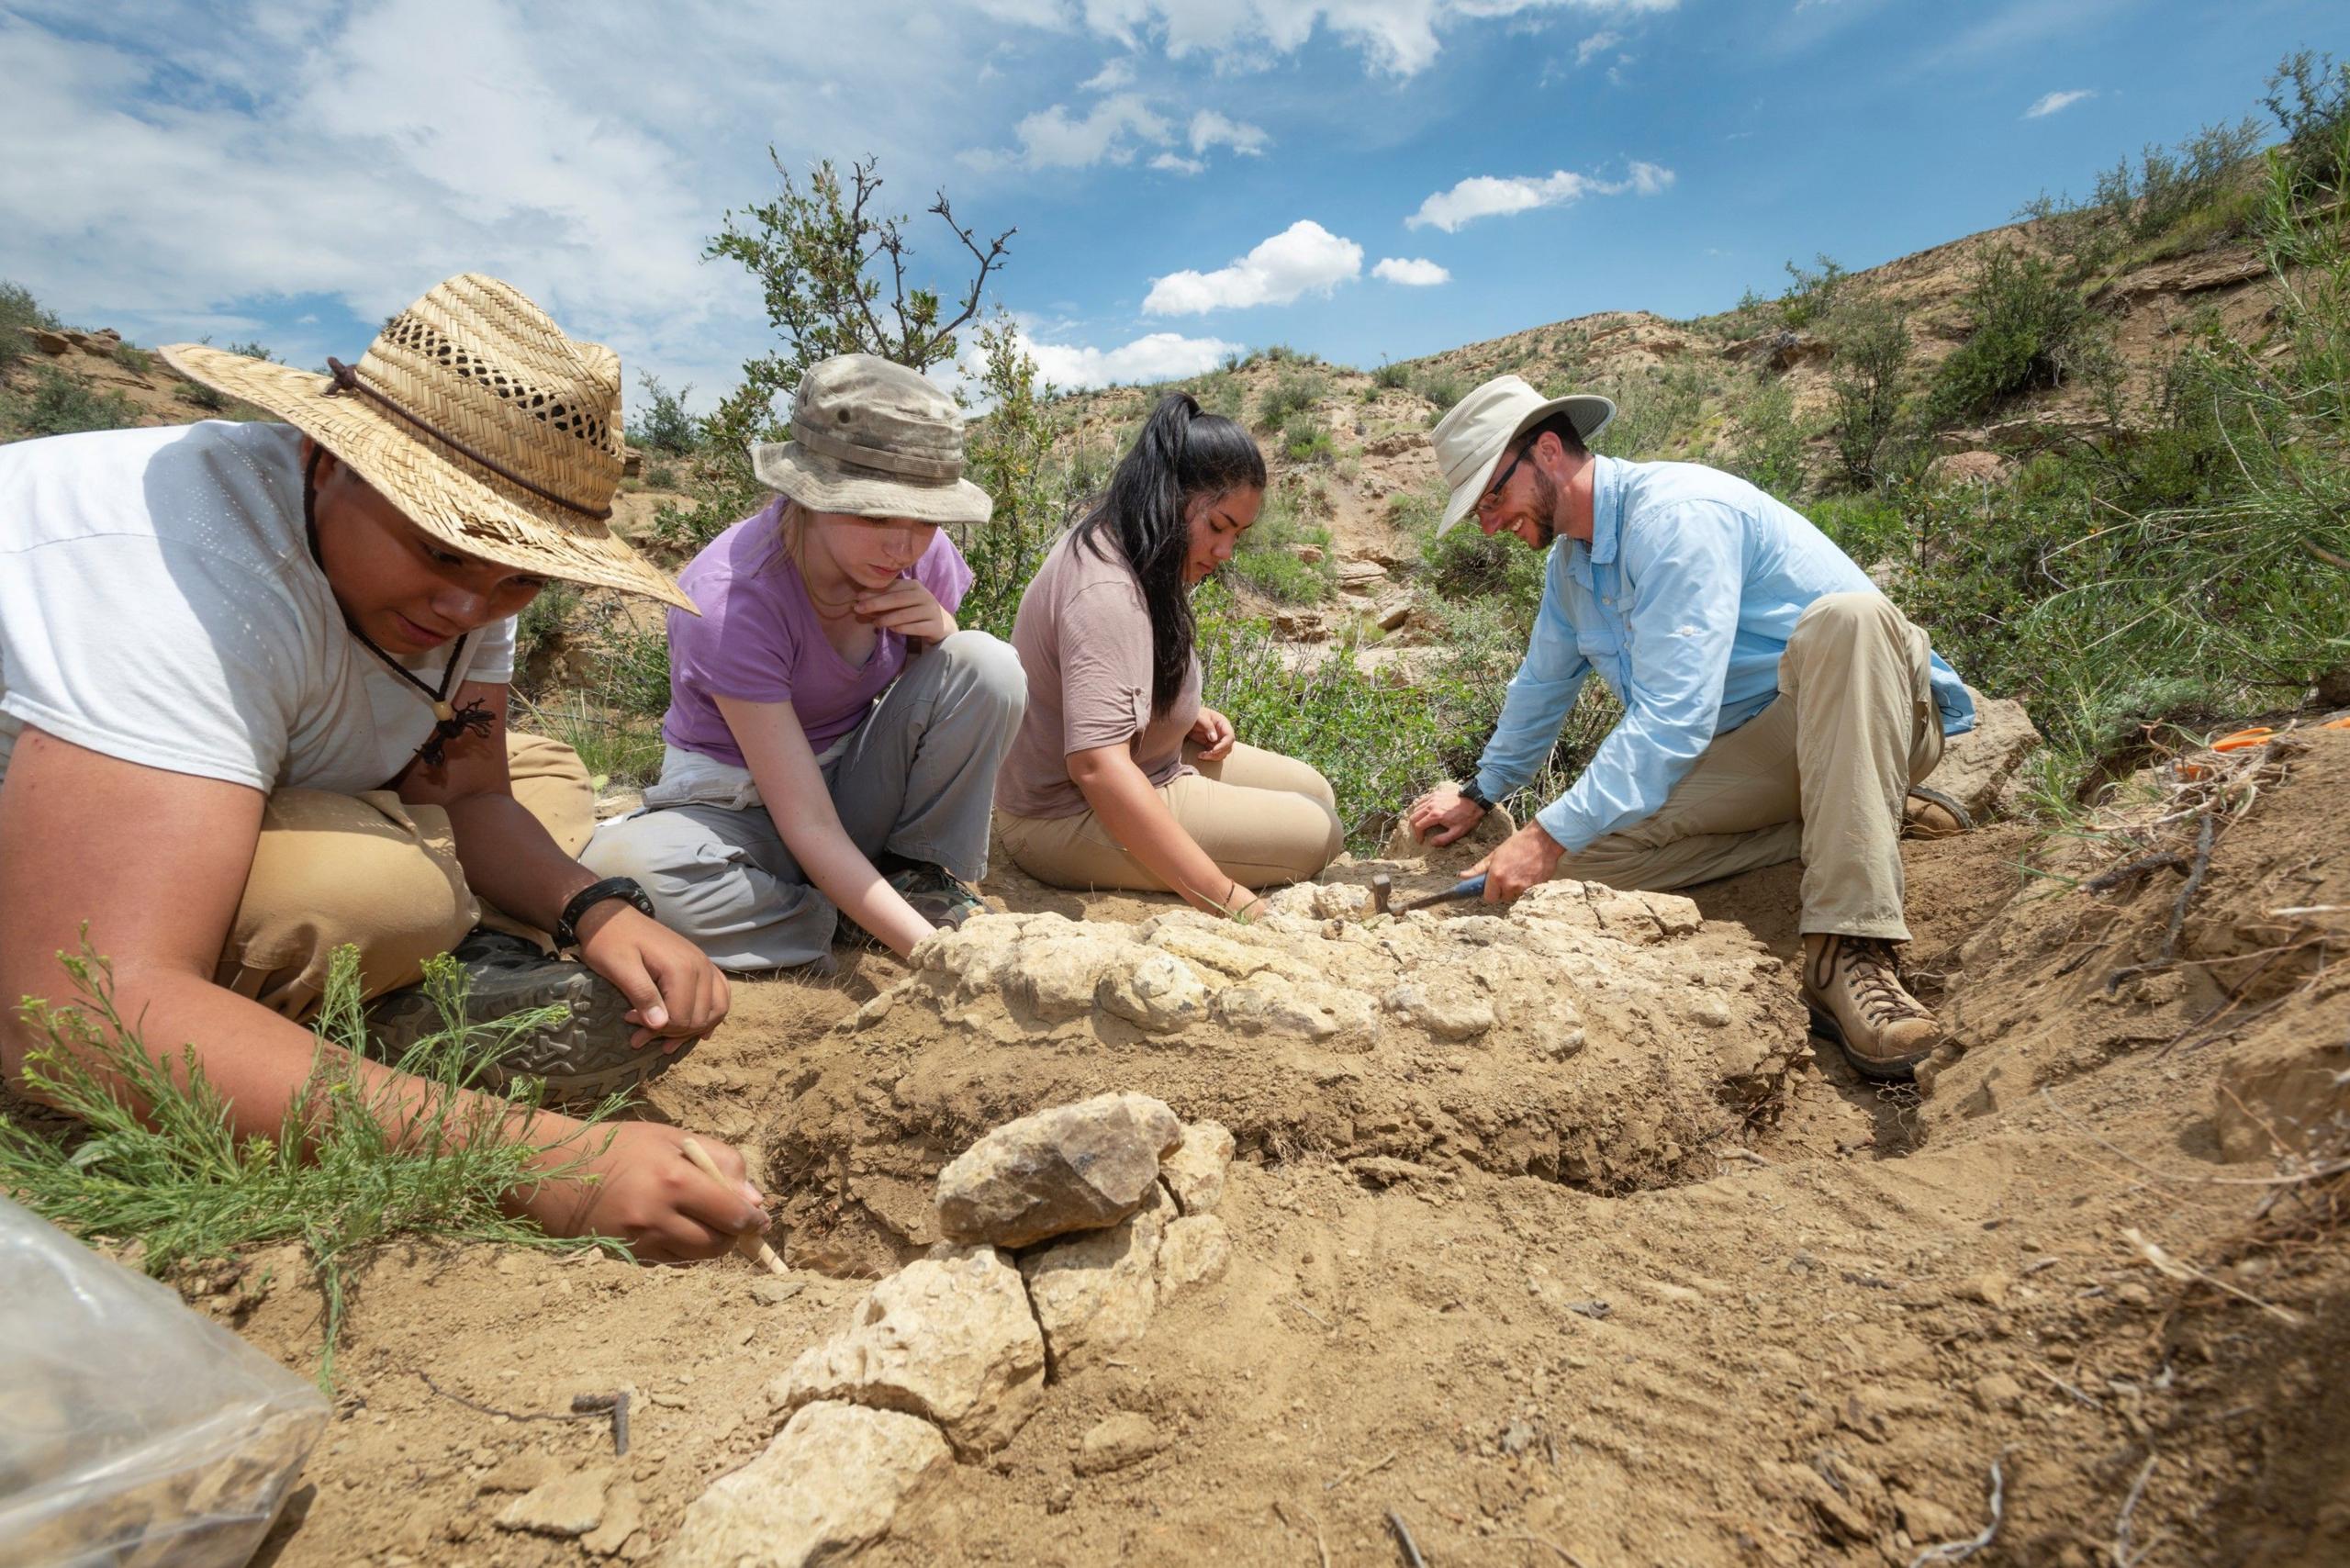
1118,777
832,737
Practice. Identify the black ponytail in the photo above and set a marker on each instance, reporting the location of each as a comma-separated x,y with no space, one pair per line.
1181,454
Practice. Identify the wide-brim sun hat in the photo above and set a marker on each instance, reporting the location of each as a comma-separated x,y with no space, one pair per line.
1471,439
872,437
480,421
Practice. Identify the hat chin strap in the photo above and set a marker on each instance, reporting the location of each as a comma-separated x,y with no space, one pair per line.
346,379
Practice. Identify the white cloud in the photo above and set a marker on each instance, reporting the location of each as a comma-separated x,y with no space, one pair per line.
1399,38
1489,196
2050,103
1414,272
1304,258
1598,43
1049,138
1176,164
1114,74
1156,356
1210,128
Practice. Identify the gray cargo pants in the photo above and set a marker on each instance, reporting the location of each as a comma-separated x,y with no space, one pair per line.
917,779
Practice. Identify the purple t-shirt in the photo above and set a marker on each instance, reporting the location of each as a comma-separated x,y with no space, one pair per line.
758,640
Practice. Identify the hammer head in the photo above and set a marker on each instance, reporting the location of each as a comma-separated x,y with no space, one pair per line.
1382,892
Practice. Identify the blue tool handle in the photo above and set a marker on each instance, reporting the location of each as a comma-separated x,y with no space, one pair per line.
1473,888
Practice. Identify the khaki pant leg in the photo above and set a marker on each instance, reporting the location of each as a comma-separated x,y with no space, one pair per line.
329,870
551,784
1257,836
1866,729
1734,810
1253,768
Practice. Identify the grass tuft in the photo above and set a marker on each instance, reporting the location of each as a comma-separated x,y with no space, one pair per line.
339,1178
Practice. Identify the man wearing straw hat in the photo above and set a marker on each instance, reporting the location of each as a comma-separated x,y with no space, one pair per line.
1776,704
253,707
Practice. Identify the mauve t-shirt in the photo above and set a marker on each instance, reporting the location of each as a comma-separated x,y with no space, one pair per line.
758,640
1083,635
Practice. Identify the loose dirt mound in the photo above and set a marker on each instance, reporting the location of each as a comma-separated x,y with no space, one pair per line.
1603,1039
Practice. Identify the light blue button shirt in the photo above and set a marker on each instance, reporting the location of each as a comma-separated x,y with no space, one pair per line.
1681,604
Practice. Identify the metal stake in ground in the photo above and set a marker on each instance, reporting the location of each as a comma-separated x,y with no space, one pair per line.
749,1243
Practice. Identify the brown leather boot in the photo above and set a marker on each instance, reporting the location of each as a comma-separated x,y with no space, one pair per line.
1852,985
1930,813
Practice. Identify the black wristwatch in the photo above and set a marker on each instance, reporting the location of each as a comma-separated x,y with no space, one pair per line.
567,929
1475,797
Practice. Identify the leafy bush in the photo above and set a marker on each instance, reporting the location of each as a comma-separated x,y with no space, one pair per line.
1391,377
133,358
1293,392
1268,559
1810,296
19,314
1464,566
2169,186
2032,329
1305,439
544,619
1377,742
1442,388
253,349
1659,413
210,400
1767,439
1865,385
663,425
1009,456
2309,96
58,405
362,1168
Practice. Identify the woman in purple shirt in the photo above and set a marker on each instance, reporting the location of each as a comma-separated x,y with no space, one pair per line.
833,738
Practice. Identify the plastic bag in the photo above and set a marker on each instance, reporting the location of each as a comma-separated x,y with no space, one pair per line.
132,1430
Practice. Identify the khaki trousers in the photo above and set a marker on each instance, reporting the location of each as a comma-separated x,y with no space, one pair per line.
371,870
1821,775
1263,818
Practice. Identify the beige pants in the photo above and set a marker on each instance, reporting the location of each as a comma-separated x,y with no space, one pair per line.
1263,818
369,869
1820,774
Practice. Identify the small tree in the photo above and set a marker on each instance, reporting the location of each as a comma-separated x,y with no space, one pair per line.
1872,340
821,252
1009,455
664,426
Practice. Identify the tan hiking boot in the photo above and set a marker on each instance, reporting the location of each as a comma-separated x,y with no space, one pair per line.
1852,985
1930,813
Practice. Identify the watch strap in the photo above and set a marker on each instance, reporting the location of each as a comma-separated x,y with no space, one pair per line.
567,927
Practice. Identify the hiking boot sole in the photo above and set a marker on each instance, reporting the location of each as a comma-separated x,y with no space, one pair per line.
586,1056
1889,1070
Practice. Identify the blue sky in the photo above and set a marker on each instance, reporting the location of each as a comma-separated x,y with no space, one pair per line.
1364,179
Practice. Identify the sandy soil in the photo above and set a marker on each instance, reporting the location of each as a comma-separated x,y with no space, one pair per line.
1814,1351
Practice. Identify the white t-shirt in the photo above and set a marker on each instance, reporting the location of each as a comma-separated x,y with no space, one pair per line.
158,603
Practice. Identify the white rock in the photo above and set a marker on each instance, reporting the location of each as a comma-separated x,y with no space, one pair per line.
1305,1010
1196,1250
948,1337
825,1489
568,1506
1443,1006
1055,976
1076,1167
1127,1437
1154,991
1194,1172
1094,1293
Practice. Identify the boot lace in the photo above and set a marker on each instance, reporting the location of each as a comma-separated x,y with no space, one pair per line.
1872,975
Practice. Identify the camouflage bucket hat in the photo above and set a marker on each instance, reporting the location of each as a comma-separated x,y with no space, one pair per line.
872,437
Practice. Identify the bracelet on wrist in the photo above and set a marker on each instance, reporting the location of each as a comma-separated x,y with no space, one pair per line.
567,927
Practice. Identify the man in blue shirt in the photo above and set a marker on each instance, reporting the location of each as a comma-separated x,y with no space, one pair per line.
1775,703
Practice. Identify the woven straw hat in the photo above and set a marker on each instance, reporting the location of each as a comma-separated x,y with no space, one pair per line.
872,437
480,421
1469,439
